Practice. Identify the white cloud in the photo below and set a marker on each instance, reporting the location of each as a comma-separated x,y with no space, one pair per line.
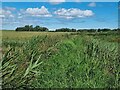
2,16
56,1
41,12
20,17
73,13
77,0
5,13
92,4
11,15
10,8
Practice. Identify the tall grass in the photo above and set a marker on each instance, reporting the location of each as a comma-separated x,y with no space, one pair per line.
67,61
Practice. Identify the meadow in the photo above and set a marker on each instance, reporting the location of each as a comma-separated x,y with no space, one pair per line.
60,60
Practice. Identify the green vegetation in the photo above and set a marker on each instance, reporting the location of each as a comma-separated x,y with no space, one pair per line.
60,60
30,28
45,29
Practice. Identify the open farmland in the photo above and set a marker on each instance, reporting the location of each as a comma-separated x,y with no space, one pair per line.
60,60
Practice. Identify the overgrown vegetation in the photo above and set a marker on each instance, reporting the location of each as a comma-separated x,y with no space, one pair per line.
69,60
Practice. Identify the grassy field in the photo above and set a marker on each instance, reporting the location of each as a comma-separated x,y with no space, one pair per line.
60,60
13,35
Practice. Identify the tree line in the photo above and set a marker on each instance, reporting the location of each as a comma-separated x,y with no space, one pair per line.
44,29
31,28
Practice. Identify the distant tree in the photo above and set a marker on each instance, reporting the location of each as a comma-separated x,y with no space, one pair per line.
30,28
114,29
99,30
26,28
82,30
65,30
44,29
19,29
106,29
37,28
73,30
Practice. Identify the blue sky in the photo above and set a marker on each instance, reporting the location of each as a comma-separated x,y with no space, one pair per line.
60,15
60,0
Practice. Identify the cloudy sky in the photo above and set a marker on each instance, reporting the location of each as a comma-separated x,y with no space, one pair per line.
62,14
60,0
